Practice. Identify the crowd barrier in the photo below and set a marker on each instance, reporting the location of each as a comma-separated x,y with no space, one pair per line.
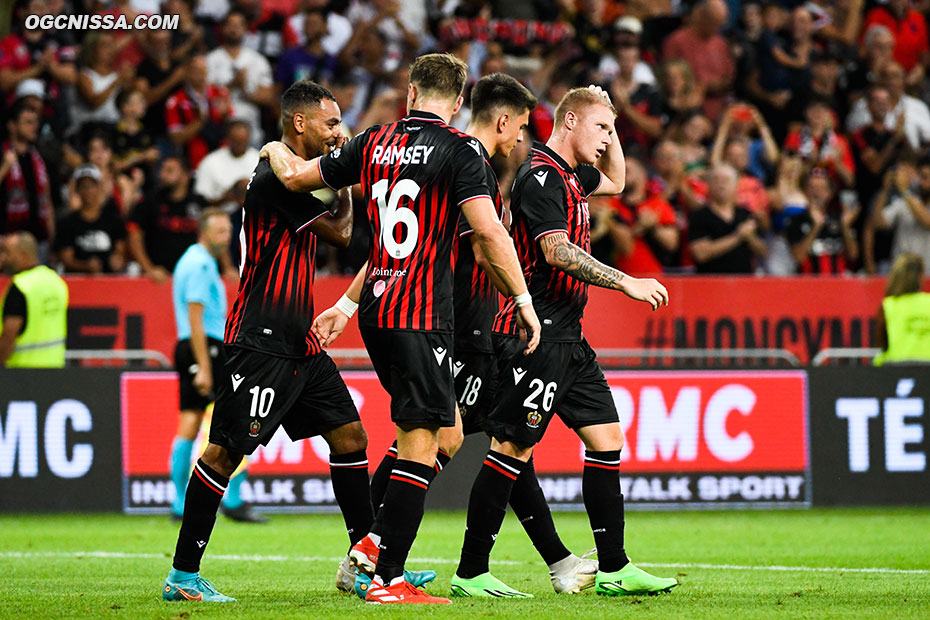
800,315
86,439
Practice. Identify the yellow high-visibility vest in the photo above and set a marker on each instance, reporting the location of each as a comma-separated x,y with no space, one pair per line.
42,343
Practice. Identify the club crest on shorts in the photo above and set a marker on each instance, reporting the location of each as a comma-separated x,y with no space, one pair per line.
254,427
533,419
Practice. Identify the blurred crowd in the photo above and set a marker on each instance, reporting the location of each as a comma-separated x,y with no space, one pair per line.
774,137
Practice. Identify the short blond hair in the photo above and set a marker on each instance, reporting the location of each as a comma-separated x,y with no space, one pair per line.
439,75
576,100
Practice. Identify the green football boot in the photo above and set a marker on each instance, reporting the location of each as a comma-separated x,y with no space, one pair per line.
486,585
631,580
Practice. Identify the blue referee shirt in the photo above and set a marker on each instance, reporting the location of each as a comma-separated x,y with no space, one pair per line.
197,280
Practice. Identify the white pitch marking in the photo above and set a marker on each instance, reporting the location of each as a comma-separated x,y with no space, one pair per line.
288,558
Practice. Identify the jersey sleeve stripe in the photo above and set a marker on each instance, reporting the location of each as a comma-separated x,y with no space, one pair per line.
310,222
550,232
461,202
600,182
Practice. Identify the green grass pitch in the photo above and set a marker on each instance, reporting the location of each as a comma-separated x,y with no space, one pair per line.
819,563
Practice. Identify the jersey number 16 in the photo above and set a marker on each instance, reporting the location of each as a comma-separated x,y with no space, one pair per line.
392,215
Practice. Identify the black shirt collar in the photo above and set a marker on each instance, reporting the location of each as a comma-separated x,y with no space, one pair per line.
420,115
539,146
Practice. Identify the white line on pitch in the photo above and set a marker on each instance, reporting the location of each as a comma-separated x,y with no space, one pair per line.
288,558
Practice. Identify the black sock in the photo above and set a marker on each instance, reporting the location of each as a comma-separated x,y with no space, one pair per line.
204,492
349,473
442,459
487,506
603,501
379,480
529,504
400,516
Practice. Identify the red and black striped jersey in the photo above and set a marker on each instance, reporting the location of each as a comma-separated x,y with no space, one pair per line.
273,310
415,175
475,298
550,197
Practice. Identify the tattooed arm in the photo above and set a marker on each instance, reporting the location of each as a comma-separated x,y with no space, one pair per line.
568,257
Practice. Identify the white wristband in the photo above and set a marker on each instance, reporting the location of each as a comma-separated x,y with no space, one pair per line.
523,300
346,306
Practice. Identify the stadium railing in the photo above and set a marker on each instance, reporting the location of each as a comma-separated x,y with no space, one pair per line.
863,355
108,356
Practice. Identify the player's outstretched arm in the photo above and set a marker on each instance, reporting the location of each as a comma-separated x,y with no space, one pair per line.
297,175
330,323
568,257
611,164
498,250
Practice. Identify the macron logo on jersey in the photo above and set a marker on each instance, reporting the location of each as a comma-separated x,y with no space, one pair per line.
541,177
474,144
518,374
237,380
440,354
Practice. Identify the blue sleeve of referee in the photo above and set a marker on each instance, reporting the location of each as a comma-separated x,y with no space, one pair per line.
197,285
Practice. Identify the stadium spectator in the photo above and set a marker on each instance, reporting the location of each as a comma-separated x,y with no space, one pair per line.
670,180
35,305
878,48
384,16
915,112
822,237
27,55
691,135
647,235
309,60
245,73
784,65
98,83
365,53
24,183
190,35
134,148
902,332
223,174
639,105
627,33
820,145
700,44
724,236
908,213
681,94
157,76
750,191
788,200
91,239
745,122
877,146
338,27
196,113
122,189
163,226
264,29
824,83
909,27
837,22
125,42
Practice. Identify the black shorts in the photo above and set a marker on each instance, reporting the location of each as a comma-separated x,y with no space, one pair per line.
415,368
475,379
559,377
187,367
261,392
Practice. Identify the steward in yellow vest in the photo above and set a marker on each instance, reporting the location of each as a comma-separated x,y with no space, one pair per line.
34,309
904,318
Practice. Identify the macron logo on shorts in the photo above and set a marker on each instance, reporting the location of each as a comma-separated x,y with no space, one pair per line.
457,368
440,354
518,375
237,380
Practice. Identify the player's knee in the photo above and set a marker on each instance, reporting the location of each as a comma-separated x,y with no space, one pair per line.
347,439
221,460
450,440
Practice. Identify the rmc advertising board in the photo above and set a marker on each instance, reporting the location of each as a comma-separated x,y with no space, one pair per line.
694,438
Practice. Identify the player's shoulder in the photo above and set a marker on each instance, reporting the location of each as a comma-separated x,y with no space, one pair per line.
537,174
